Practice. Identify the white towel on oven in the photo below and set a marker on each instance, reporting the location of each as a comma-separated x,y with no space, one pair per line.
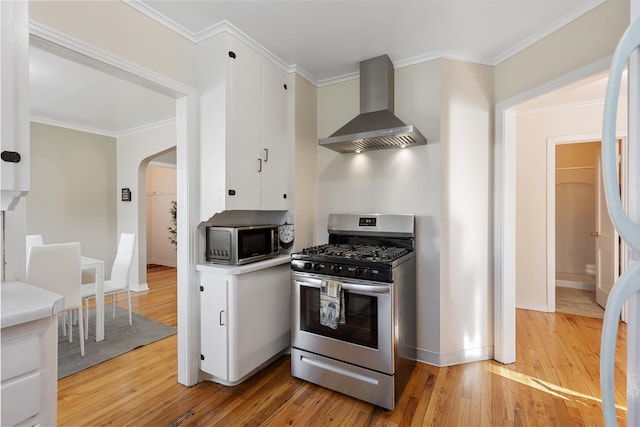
330,295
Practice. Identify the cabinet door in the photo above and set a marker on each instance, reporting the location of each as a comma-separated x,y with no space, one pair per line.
14,86
244,137
274,137
213,325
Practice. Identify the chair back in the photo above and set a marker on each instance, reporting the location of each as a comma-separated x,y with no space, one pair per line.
32,240
56,268
124,258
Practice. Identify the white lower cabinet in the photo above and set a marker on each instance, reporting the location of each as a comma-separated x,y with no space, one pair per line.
245,318
29,355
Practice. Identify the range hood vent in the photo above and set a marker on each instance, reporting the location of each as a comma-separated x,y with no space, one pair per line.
376,127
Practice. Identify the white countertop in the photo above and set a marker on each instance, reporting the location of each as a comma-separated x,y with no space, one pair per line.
242,269
22,303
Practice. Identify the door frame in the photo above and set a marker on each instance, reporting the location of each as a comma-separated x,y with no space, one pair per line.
504,190
187,173
552,143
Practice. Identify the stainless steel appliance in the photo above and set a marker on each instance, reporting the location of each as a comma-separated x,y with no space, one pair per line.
376,127
241,245
371,354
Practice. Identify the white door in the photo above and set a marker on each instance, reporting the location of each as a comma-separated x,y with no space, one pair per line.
607,261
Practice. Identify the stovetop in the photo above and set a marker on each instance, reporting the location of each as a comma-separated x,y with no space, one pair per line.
370,262
356,252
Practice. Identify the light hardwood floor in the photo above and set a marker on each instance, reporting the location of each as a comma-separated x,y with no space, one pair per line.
555,382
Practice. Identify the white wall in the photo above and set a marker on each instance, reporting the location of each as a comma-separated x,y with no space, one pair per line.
134,153
73,190
161,190
466,289
445,184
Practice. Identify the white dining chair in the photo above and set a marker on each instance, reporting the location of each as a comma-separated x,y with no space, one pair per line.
32,240
119,281
56,268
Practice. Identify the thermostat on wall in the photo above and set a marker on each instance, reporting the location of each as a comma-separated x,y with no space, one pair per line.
126,195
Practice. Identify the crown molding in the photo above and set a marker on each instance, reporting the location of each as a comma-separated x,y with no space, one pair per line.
558,107
102,132
225,26
586,7
160,18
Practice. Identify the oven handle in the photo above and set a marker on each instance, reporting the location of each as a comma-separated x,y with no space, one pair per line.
374,289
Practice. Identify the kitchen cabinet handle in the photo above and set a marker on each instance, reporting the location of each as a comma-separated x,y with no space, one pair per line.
222,318
259,165
266,155
595,234
11,156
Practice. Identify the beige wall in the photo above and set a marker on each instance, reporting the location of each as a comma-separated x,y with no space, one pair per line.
575,206
73,190
533,131
123,31
587,39
304,177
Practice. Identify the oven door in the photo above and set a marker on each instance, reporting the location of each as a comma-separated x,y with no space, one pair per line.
366,336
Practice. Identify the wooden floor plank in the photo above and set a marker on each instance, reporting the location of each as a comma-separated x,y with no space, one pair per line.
555,381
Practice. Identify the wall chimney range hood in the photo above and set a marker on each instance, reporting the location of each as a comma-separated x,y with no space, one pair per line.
376,127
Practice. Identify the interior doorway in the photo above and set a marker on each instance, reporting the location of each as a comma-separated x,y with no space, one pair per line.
161,212
186,137
583,251
576,212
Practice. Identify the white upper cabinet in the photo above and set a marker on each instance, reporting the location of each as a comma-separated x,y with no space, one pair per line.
14,113
275,155
243,111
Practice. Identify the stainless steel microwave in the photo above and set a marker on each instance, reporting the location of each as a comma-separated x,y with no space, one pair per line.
241,245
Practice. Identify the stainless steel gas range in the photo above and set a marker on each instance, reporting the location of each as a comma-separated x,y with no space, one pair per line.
354,308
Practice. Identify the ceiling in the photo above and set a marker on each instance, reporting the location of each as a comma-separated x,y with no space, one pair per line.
322,40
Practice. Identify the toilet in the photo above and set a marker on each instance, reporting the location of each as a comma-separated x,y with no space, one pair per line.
590,269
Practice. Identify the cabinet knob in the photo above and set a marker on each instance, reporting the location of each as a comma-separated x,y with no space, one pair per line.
232,192
232,54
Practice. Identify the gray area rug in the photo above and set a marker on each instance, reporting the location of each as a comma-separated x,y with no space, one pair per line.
119,338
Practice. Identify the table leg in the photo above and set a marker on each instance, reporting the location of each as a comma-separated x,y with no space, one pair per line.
100,302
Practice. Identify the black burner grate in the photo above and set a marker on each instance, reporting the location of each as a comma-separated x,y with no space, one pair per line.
357,252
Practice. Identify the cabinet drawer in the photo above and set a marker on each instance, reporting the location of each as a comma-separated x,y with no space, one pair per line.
20,399
20,356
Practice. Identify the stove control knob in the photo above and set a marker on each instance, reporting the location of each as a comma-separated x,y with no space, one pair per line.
335,268
307,266
359,271
366,272
316,266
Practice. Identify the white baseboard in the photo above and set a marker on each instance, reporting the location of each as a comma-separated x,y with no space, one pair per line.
528,305
575,285
168,263
455,358
139,287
